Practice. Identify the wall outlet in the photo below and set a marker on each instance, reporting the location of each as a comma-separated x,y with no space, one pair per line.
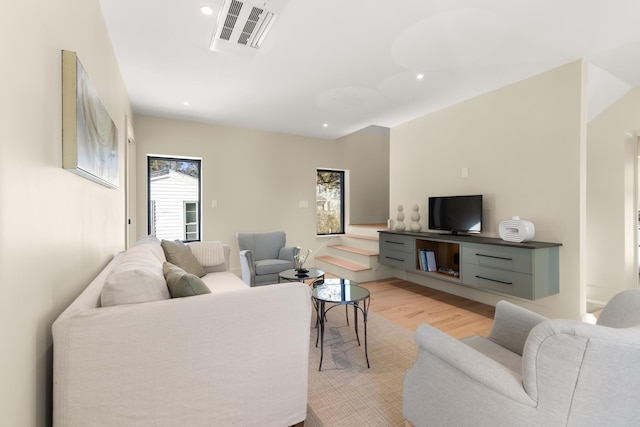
464,173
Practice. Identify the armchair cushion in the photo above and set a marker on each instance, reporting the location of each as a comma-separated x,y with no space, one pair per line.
263,245
511,326
272,266
496,352
288,253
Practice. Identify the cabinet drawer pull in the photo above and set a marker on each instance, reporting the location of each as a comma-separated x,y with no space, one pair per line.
494,280
395,259
496,257
395,243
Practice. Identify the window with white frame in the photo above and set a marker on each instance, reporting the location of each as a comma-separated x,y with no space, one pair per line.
174,198
191,226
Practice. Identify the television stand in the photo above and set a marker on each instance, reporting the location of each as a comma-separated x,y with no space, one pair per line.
527,270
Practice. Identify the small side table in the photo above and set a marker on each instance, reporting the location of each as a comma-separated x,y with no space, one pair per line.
340,292
293,276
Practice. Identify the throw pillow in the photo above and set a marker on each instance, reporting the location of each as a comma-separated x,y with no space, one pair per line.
178,254
181,283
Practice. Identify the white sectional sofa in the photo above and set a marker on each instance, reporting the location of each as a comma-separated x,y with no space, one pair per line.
235,356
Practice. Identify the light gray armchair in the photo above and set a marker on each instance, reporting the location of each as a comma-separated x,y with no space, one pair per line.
530,371
263,256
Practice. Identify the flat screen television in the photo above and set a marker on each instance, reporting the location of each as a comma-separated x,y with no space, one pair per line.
458,214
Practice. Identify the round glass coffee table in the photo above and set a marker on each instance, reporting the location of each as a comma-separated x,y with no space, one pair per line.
336,292
293,275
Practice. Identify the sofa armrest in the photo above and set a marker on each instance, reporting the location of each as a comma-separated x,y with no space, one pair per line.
511,326
288,253
248,267
235,358
470,364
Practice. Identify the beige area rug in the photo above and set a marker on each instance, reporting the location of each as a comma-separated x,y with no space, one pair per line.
345,392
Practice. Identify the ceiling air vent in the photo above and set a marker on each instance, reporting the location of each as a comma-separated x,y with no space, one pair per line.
241,27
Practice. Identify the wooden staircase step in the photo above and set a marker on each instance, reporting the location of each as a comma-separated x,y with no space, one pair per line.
354,250
347,265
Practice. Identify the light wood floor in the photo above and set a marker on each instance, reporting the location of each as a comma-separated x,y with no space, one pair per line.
410,305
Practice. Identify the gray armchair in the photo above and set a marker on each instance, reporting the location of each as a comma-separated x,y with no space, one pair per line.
530,371
263,256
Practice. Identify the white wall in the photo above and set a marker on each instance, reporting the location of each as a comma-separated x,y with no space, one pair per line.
612,263
257,179
57,230
367,152
524,148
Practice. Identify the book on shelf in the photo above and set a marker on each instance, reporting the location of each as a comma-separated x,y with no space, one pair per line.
431,261
427,260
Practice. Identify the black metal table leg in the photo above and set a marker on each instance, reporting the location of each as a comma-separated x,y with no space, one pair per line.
355,320
364,315
317,304
322,319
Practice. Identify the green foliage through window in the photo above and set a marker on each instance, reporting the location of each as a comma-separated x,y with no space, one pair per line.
330,201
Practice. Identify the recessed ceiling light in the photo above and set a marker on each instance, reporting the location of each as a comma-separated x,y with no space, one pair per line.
420,76
186,103
326,125
206,10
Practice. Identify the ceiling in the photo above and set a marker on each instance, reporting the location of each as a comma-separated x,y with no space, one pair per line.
332,67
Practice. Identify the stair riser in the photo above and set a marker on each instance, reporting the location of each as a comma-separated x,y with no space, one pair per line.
342,272
369,245
365,231
366,260
357,276
336,271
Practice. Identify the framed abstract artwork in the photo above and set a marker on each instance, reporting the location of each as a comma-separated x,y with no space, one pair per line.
89,135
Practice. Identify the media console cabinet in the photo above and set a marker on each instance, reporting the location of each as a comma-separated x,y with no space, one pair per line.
527,270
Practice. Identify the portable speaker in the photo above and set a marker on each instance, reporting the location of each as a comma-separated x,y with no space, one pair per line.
516,230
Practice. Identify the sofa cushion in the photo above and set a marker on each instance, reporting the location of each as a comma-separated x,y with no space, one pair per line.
153,244
224,281
143,240
272,266
181,283
178,254
137,278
